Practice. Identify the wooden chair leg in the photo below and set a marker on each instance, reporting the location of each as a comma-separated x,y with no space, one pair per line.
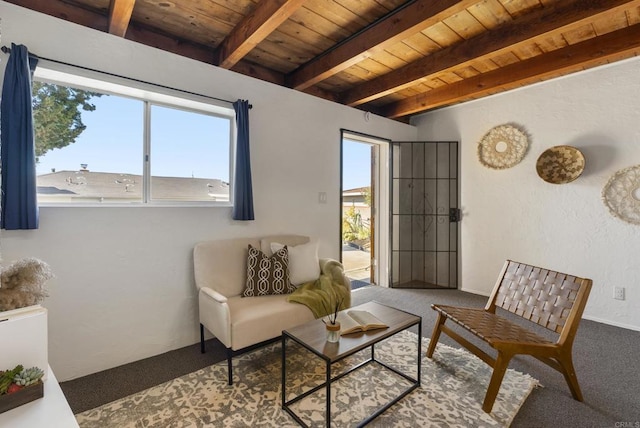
566,363
436,334
229,365
499,369
201,339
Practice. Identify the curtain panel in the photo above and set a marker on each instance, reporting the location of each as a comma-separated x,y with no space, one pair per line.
242,190
19,205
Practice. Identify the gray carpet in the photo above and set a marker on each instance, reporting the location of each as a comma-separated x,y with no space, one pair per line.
607,361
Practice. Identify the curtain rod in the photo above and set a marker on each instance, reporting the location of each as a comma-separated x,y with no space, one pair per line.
7,50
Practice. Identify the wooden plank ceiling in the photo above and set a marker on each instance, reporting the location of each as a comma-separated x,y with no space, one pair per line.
395,58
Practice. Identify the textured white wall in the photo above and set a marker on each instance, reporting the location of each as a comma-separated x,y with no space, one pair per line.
514,214
124,284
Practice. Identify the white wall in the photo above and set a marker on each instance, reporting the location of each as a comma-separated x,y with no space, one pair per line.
124,284
514,214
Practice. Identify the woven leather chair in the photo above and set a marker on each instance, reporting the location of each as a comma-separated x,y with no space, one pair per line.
551,299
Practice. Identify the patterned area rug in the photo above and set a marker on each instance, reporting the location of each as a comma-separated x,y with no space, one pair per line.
453,386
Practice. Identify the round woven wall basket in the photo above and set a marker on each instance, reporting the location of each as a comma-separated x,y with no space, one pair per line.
560,164
621,194
502,147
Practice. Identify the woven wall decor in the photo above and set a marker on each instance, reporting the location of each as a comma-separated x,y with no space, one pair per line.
621,194
502,147
560,164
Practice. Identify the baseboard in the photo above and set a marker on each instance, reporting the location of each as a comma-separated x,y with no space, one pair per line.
612,323
478,292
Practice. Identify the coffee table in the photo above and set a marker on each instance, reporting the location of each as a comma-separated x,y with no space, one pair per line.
312,336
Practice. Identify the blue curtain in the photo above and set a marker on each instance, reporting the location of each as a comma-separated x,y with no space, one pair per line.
242,191
19,199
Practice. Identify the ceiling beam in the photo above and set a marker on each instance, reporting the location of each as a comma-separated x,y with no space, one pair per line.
166,42
257,71
66,12
253,28
393,28
119,16
145,35
566,15
142,34
600,50
322,93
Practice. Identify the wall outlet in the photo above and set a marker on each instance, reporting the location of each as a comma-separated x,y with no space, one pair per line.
618,293
322,197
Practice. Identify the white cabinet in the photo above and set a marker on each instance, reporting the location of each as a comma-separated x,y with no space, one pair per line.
23,335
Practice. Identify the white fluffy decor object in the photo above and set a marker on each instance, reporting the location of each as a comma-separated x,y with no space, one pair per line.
22,283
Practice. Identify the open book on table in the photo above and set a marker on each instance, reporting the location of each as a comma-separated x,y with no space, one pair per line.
355,321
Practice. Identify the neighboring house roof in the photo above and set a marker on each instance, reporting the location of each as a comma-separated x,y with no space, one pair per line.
356,191
86,186
355,197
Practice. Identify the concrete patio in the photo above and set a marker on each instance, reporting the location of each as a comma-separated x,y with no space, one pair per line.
356,263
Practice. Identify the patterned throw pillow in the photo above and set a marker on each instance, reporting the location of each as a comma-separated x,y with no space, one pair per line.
267,275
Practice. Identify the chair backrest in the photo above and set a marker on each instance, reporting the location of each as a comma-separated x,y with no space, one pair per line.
551,299
222,264
290,240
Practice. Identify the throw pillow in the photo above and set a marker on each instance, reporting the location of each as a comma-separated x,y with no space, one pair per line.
304,265
267,275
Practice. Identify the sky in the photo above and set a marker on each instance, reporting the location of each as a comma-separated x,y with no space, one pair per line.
356,164
112,142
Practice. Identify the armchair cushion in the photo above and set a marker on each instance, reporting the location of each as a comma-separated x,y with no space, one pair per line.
257,319
267,275
304,265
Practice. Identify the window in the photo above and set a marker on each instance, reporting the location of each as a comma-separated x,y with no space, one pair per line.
102,142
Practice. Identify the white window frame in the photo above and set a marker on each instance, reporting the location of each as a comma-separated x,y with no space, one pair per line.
149,94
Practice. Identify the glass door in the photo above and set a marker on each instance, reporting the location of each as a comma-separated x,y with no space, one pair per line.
424,215
364,212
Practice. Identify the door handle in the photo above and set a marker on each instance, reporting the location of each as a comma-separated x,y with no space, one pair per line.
455,215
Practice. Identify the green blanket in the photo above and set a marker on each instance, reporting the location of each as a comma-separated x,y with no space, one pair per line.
325,293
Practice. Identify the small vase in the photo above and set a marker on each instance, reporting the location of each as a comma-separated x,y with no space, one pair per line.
333,332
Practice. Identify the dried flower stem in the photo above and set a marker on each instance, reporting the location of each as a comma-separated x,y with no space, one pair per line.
332,316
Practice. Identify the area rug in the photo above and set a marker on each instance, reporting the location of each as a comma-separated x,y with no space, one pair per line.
453,385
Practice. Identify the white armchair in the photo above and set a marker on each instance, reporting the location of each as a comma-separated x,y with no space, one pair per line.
220,269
